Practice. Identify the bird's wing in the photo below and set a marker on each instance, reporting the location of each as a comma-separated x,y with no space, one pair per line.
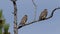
24,19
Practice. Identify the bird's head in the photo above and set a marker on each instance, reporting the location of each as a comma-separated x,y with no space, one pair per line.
45,9
26,15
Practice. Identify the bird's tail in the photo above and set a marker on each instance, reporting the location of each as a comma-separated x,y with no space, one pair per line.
19,27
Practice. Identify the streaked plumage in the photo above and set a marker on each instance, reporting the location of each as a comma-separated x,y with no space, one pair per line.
23,20
43,14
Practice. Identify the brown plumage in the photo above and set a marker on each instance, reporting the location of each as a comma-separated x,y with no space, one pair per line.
23,20
43,14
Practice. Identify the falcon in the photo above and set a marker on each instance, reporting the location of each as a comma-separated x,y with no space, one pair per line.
43,14
23,20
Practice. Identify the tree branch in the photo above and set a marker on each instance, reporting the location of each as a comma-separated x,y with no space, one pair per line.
41,20
35,8
34,3
15,16
52,13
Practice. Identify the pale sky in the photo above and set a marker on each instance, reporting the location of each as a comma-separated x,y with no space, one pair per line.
50,26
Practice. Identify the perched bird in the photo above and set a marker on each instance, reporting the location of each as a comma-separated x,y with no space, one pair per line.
23,20
43,14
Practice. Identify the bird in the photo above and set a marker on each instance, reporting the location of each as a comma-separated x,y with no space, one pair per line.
43,14
23,20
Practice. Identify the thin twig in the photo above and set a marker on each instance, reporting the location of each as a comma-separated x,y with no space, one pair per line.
35,8
42,20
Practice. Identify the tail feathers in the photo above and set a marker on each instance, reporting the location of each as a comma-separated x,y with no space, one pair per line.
41,19
19,27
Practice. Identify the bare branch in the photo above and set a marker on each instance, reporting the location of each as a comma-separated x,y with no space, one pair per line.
35,8
15,16
52,13
34,3
41,20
